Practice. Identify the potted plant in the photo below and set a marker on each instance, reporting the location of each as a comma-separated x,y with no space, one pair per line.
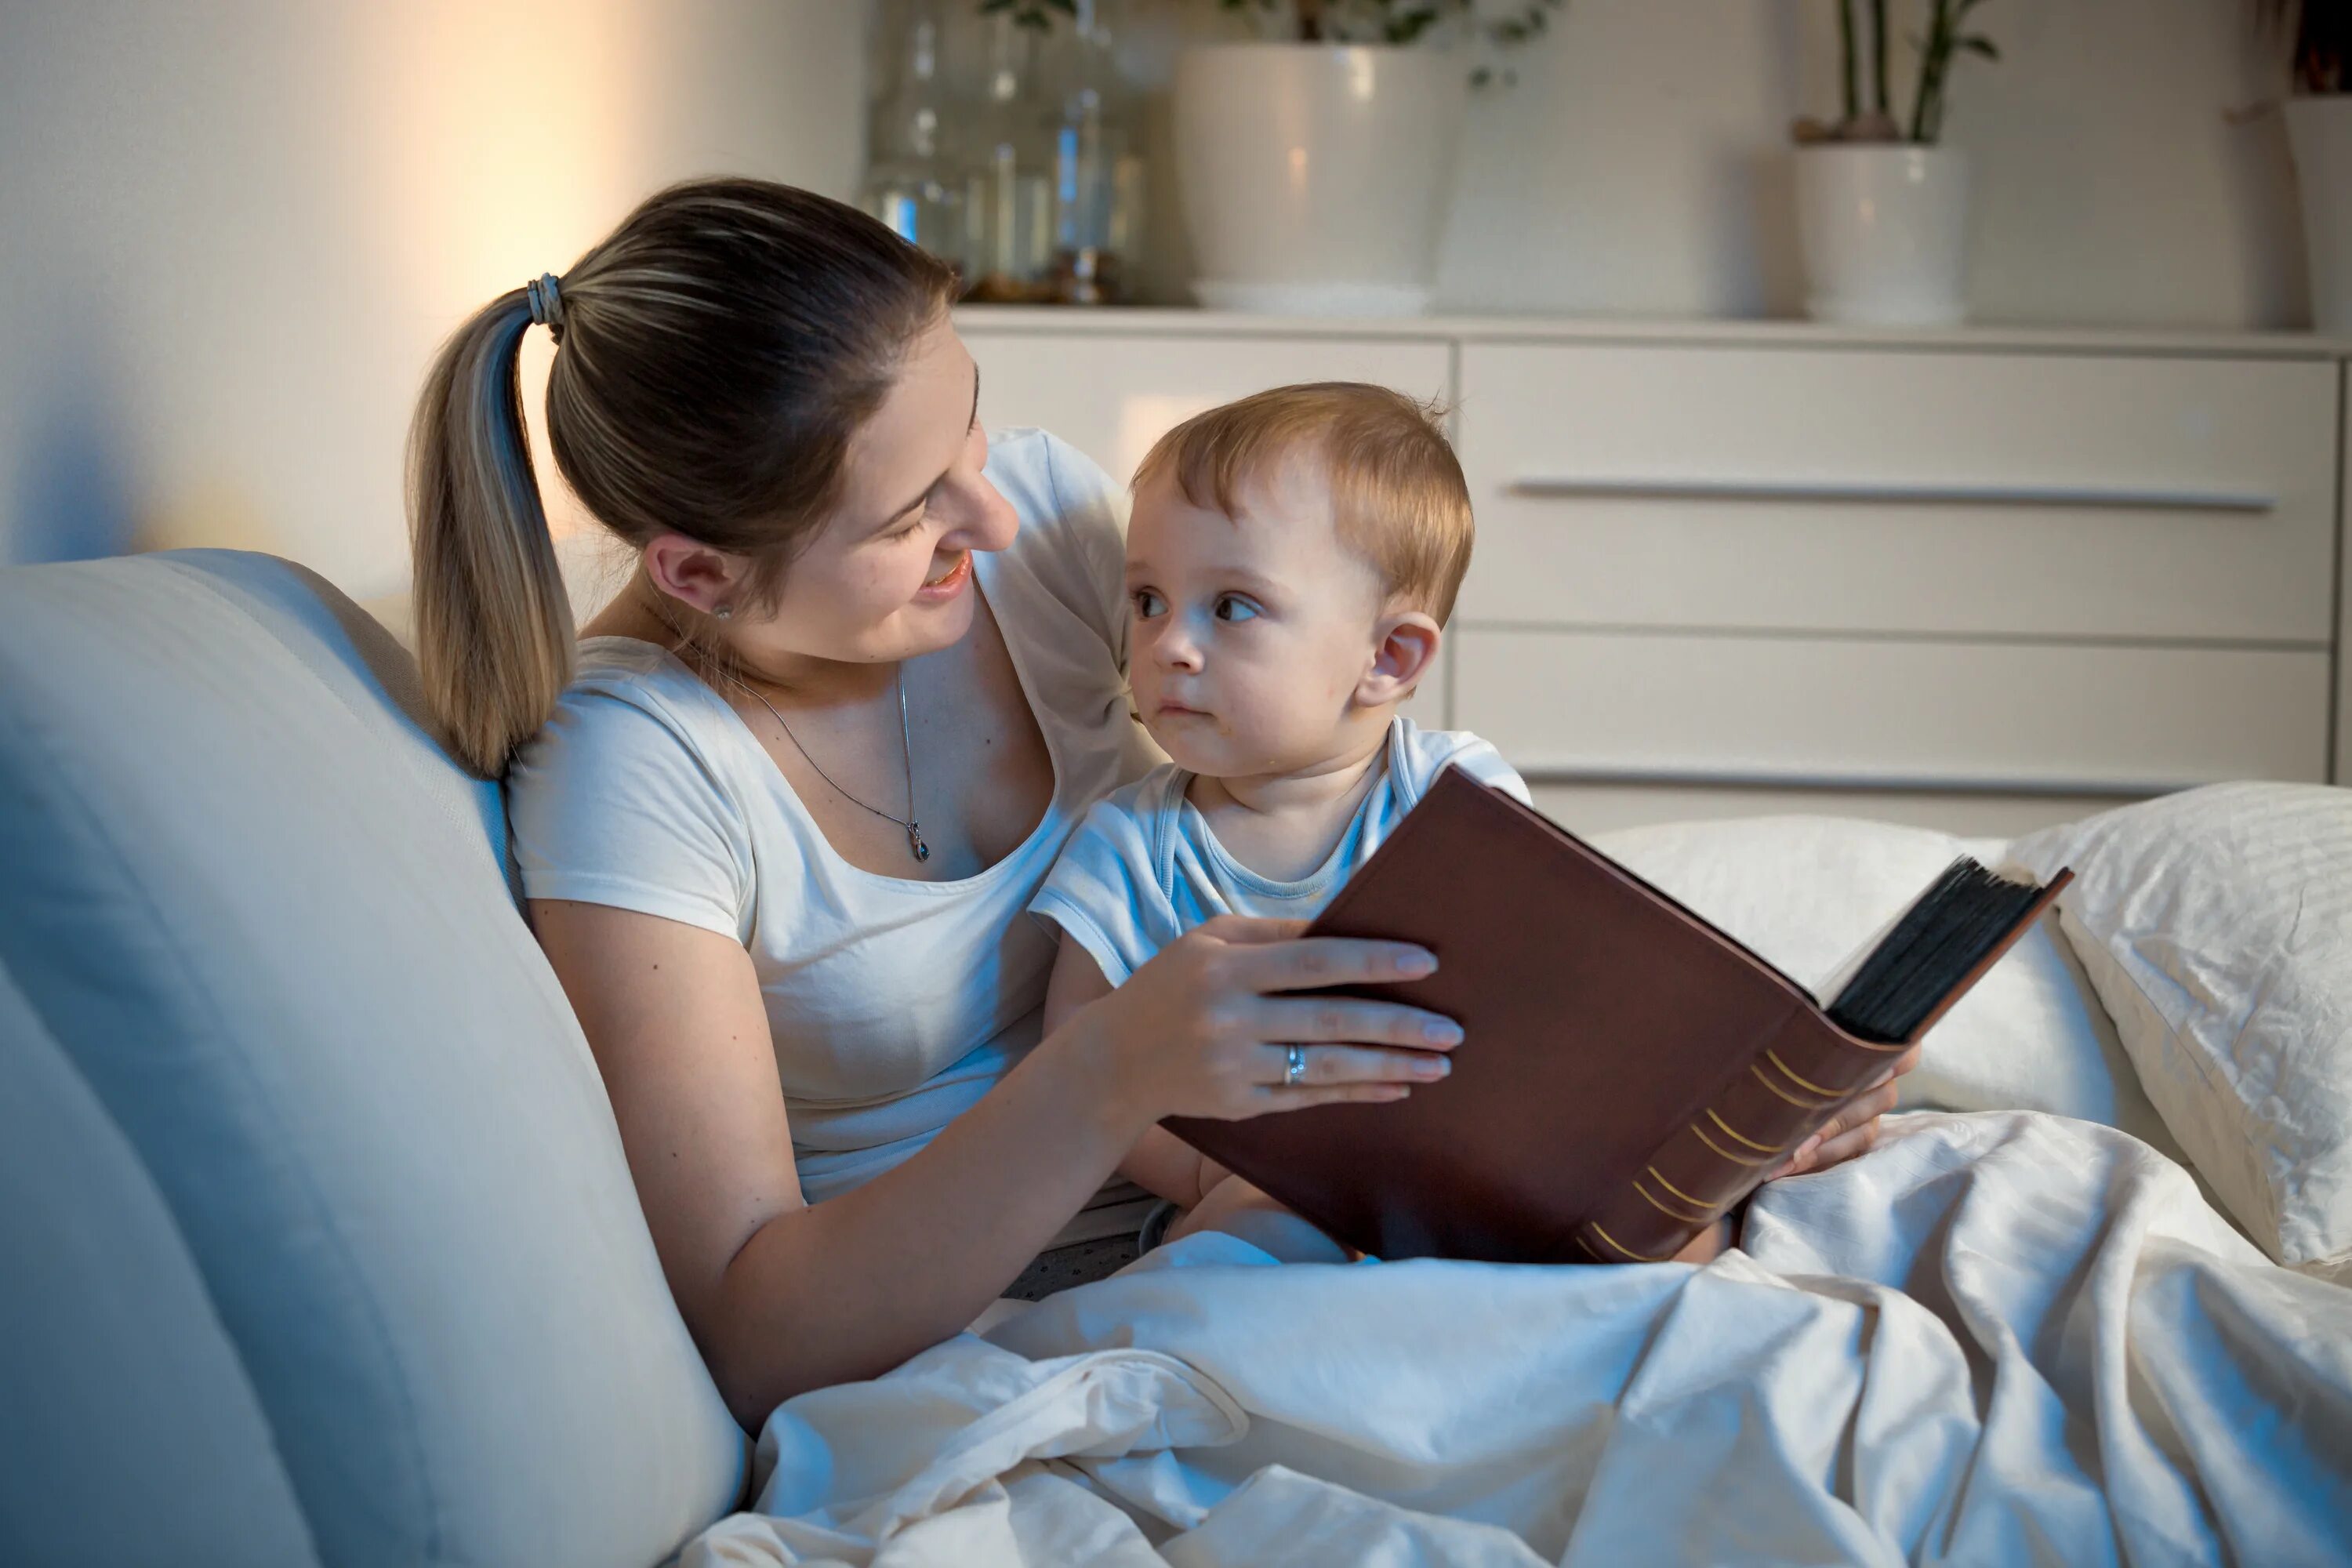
1315,160
2319,129
1881,208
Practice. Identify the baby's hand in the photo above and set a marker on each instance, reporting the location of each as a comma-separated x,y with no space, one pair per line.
1239,1208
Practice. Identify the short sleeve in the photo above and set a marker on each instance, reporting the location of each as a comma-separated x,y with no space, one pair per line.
1482,762
610,804
1429,753
1075,518
1097,891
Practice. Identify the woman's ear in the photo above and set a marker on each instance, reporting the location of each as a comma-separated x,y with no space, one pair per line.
692,572
1407,646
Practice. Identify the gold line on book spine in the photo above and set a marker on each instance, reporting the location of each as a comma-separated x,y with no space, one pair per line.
1774,1057
1765,1148
1636,1257
1784,1094
1651,1198
1735,1159
1686,1198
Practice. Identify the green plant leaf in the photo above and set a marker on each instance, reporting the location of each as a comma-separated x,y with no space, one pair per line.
1981,46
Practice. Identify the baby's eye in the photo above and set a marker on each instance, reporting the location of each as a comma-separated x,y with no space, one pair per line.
1233,607
1147,603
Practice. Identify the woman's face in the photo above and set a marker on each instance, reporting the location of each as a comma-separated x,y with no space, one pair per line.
889,574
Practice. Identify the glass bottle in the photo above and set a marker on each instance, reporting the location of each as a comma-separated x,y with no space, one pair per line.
913,181
1097,172
1009,196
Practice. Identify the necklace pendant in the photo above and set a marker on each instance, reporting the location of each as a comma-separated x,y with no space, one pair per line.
915,841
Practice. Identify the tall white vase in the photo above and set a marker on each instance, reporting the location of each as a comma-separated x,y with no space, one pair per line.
1315,178
1884,232
2320,130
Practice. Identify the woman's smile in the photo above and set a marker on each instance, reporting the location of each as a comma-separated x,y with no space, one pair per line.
947,585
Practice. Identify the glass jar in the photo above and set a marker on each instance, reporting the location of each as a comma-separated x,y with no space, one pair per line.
914,181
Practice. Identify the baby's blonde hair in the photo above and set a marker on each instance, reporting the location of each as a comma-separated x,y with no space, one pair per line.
1398,497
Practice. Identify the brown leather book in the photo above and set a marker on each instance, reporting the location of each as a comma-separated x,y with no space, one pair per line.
1627,1072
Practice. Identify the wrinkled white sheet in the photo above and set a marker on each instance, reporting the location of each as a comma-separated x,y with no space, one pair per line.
2003,1338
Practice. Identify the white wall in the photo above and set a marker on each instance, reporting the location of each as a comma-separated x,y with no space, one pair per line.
232,232
1642,164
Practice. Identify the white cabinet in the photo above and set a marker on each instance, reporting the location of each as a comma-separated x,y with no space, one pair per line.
1978,578
2009,495
1111,396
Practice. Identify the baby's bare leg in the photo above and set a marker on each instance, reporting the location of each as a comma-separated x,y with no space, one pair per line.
1706,1245
1237,1208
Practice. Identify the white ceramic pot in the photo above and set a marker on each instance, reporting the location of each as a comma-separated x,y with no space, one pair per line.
1315,178
1884,231
2320,129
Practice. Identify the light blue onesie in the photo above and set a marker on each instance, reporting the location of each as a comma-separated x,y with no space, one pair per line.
1144,867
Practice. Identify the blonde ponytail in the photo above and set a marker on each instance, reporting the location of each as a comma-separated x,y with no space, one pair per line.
493,623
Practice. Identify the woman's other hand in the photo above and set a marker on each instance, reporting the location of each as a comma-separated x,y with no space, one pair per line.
1202,1029
1854,1128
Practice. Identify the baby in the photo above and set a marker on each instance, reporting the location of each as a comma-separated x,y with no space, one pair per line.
1290,564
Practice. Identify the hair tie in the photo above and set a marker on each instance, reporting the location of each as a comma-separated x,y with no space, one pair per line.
546,304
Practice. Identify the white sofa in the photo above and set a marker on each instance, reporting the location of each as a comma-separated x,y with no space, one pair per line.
320,1245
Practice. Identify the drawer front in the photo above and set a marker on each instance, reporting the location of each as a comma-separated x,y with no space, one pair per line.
2028,495
1843,714
1112,396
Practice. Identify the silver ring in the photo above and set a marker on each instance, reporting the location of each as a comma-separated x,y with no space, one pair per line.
1295,1073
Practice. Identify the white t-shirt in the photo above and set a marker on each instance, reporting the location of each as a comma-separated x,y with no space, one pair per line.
1145,867
894,1005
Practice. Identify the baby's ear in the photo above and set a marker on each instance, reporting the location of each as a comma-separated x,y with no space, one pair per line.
1406,649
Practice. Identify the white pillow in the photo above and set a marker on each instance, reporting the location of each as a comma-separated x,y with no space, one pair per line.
1804,892
2217,926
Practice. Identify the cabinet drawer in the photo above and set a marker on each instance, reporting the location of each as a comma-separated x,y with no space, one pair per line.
2029,495
1916,715
1112,396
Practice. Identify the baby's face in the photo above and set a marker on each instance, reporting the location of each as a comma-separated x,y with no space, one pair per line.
1251,633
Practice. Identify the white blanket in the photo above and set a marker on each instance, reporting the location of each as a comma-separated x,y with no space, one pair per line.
2003,1338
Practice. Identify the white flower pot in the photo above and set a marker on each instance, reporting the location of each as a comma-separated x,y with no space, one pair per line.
1315,178
2320,130
1884,231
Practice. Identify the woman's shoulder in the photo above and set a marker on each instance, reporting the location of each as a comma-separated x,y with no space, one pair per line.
626,795
1073,538
631,707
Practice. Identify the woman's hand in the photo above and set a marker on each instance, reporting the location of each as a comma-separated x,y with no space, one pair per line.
1854,1128
1201,1029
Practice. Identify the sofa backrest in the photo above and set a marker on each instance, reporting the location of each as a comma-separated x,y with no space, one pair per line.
270,928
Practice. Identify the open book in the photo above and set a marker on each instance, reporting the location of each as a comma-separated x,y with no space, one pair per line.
1628,1072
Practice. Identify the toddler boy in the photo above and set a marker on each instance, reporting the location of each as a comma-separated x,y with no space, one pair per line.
1292,559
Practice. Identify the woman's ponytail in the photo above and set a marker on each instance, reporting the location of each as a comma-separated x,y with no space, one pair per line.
493,621
717,353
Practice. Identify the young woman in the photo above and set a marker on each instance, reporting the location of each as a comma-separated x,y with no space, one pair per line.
780,811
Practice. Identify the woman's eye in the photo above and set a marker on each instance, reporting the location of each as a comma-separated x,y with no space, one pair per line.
1147,603
1233,607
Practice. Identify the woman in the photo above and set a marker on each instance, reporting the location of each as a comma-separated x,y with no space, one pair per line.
779,814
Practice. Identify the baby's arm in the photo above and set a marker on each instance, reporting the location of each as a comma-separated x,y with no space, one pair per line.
1161,1162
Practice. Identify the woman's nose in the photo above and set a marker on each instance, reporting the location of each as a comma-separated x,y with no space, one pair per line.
989,522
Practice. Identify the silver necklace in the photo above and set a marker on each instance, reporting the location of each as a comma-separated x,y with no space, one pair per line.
914,830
